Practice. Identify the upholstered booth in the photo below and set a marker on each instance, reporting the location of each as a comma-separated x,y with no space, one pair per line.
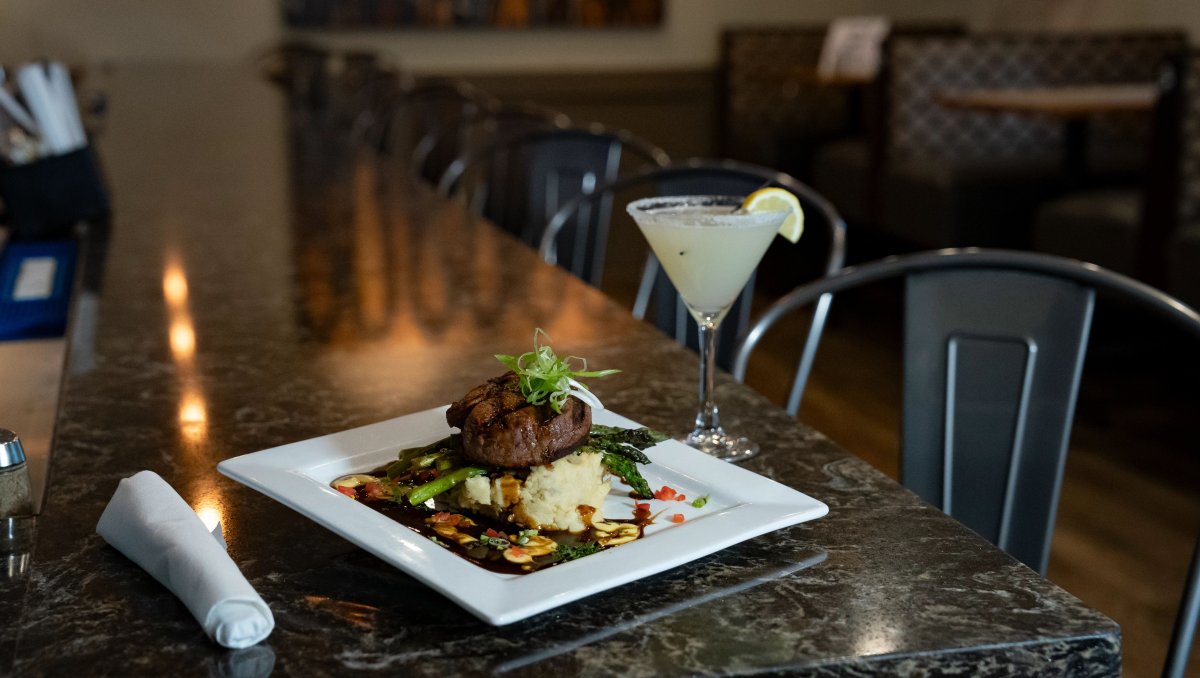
949,177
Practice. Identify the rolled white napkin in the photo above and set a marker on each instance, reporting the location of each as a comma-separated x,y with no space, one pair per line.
151,524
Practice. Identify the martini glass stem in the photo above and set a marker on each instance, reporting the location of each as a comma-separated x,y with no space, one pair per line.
707,418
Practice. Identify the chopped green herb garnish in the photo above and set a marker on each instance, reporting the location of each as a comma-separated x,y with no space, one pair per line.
546,378
566,552
498,543
699,502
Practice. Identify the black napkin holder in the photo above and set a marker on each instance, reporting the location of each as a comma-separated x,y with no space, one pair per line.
44,199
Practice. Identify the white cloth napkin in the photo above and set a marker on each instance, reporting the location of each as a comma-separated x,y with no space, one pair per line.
148,522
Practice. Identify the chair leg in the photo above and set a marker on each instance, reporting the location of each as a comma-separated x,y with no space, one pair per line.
645,287
681,321
809,356
1185,622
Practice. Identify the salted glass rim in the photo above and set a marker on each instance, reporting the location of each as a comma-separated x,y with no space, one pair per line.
664,210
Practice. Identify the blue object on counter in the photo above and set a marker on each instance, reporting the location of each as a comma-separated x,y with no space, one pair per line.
35,288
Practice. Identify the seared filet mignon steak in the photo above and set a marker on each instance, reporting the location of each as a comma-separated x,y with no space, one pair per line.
500,428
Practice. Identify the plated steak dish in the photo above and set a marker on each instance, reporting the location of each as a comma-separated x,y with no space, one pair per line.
522,484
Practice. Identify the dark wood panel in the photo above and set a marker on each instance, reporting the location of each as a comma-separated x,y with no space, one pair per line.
674,109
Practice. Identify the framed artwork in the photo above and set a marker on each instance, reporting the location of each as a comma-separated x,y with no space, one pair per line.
473,14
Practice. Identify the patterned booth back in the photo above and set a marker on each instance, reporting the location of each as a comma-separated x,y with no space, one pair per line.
769,91
1189,196
922,68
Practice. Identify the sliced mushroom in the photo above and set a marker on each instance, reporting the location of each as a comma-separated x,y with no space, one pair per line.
354,480
605,526
463,538
447,531
538,545
625,533
519,556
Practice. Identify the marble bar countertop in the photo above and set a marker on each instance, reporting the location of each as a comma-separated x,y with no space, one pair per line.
266,284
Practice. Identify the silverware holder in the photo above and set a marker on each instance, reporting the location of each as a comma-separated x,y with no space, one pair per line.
44,199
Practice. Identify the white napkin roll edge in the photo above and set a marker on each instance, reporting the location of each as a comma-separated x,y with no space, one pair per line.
150,524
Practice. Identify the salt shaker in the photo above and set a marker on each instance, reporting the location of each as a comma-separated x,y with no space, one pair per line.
16,494
16,509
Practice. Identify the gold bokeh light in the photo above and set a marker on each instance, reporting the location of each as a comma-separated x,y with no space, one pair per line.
183,339
175,286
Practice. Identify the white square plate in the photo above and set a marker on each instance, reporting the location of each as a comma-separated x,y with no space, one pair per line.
741,505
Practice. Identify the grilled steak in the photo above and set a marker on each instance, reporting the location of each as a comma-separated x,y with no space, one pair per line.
499,428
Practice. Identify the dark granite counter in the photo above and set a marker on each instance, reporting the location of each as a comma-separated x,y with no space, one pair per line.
264,286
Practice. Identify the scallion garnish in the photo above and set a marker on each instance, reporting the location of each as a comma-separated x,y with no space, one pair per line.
546,378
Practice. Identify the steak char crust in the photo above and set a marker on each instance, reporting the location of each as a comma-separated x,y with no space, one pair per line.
500,428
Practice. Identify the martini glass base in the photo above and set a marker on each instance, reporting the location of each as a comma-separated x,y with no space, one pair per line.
719,444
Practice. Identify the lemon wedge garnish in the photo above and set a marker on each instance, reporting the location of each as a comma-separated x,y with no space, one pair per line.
778,200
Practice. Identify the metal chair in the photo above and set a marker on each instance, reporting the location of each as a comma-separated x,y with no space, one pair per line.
993,352
490,133
428,121
548,169
586,217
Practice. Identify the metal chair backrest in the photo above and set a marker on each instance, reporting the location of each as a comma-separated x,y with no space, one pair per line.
299,68
428,123
994,347
550,167
655,293
488,135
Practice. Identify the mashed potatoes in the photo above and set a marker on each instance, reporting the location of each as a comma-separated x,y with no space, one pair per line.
565,495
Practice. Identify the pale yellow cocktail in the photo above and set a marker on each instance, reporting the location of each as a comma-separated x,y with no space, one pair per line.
709,247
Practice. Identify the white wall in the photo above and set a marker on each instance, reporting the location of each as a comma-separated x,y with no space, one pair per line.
90,31
689,37
232,30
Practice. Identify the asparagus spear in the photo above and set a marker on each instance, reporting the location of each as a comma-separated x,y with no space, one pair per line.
423,493
628,471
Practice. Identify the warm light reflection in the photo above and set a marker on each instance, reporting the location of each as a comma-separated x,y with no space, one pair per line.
370,253
210,515
878,639
192,410
175,286
357,615
183,339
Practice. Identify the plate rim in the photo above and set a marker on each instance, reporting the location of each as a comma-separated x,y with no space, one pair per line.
500,599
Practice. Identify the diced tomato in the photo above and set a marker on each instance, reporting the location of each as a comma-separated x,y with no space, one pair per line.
445,518
348,491
492,533
640,506
376,491
665,494
516,551
681,497
677,518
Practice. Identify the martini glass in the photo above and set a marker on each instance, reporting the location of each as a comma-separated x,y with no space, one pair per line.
709,248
